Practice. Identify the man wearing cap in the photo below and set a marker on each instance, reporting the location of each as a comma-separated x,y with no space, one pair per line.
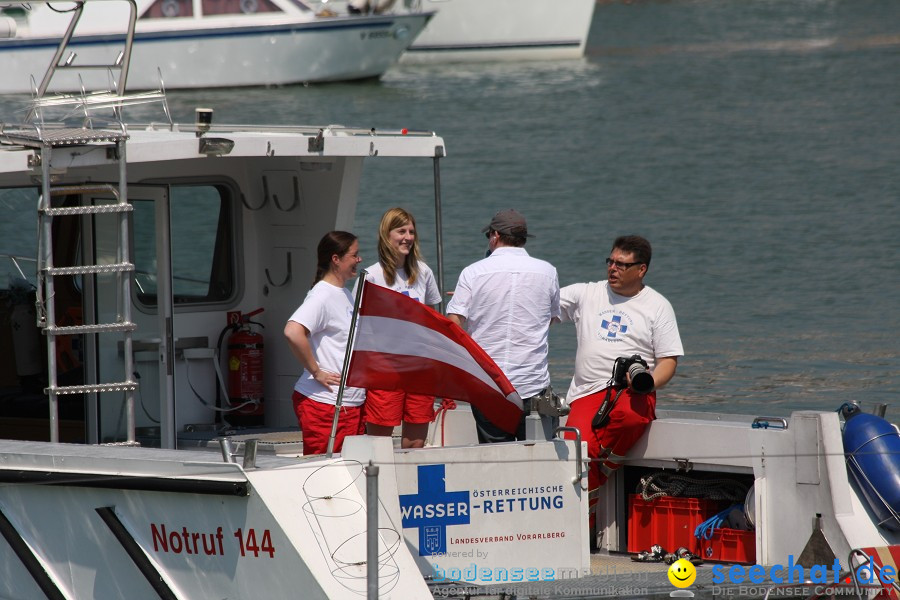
506,302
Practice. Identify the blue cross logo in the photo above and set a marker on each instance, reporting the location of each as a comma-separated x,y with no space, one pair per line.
614,326
432,509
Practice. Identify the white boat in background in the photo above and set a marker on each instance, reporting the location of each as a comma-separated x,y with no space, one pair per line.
494,30
204,44
155,240
489,30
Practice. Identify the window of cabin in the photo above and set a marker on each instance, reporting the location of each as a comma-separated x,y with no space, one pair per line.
169,9
202,246
236,7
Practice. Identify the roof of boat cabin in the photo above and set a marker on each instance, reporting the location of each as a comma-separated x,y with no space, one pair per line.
162,142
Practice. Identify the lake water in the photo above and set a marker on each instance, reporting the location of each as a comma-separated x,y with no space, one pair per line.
756,143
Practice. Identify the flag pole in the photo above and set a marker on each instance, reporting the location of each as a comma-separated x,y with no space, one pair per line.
438,225
340,395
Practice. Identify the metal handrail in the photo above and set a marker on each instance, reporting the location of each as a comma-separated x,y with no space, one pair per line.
580,473
765,422
866,562
87,101
121,63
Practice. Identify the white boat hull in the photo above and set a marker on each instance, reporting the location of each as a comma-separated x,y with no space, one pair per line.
91,522
490,30
283,53
209,530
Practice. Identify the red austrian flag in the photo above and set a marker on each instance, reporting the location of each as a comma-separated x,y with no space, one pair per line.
402,344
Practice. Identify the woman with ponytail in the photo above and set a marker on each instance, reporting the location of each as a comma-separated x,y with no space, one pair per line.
317,334
401,269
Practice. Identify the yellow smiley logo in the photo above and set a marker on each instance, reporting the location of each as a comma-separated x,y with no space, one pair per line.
682,573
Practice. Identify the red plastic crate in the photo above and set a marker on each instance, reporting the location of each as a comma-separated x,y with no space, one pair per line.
729,545
668,521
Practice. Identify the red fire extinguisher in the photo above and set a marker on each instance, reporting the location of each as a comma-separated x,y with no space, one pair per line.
245,372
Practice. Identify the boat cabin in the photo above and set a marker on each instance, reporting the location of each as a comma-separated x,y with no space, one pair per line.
132,254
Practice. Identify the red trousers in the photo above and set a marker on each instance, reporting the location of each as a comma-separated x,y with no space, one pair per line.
608,445
315,422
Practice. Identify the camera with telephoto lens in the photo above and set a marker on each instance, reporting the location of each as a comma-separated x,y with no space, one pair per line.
641,379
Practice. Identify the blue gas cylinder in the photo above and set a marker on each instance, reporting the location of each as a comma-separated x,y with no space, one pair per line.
872,447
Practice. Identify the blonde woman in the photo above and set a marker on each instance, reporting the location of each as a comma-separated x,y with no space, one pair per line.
400,268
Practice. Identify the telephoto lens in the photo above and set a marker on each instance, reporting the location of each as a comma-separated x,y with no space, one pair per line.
641,379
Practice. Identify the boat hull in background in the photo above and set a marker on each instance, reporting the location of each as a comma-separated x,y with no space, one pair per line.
491,30
327,49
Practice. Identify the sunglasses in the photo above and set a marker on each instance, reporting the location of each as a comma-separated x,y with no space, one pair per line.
620,265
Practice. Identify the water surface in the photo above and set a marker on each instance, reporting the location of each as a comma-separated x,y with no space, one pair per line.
756,143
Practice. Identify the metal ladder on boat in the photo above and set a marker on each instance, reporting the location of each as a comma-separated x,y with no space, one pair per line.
44,141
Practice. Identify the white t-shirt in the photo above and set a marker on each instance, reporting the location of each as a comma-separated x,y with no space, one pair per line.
609,326
327,312
425,289
508,300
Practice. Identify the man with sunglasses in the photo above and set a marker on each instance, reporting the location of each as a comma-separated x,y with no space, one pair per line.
506,302
617,318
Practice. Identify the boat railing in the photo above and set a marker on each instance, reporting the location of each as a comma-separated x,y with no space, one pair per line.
335,130
85,103
871,559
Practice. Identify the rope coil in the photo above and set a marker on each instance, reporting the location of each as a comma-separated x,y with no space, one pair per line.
662,483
